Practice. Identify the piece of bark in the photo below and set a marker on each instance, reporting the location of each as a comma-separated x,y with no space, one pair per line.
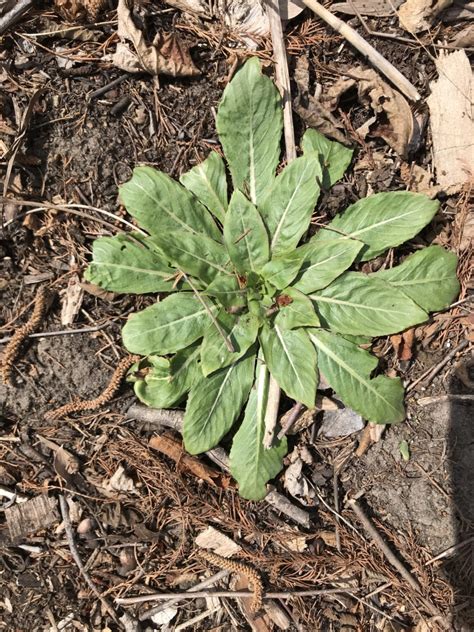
452,125
31,516
217,542
173,449
373,8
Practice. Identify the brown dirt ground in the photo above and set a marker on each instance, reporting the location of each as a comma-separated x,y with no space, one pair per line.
76,150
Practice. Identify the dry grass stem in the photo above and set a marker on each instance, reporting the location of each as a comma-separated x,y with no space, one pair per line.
92,404
13,347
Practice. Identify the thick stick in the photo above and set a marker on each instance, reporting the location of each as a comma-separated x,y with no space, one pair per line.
12,16
374,57
236,594
283,82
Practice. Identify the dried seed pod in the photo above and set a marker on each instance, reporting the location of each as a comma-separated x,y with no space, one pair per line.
250,573
77,405
13,347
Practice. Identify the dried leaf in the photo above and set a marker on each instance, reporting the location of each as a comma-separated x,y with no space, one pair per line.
120,481
419,15
403,344
165,56
244,16
390,104
309,107
452,126
72,301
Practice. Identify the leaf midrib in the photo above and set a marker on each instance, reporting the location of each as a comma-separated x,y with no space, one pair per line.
287,353
350,370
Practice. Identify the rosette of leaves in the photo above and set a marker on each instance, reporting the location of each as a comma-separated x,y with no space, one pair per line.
246,300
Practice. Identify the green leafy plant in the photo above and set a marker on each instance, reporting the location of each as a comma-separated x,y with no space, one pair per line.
246,301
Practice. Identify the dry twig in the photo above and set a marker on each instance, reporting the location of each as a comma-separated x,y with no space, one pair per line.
75,554
92,404
375,58
13,347
380,542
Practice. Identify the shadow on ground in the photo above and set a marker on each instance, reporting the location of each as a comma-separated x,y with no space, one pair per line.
459,568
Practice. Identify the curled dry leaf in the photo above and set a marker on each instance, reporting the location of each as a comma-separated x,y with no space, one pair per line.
310,108
164,56
418,15
244,16
394,120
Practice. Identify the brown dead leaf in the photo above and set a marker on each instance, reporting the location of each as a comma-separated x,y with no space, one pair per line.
258,623
394,119
310,108
419,15
418,180
173,449
403,344
164,56
96,290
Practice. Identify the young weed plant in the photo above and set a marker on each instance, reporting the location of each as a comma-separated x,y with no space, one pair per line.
246,301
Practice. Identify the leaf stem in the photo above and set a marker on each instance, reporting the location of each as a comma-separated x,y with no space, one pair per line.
226,338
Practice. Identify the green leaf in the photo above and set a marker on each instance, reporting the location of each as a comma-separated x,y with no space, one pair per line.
127,263
208,182
250,463
324,262
197,255
249,124
292,362
240,330
245,235
214,404
281,270
334,157
161,204
382,221
428,277
288,207
347,369
404,450
358,304
299,313
227,290
167,326
168,381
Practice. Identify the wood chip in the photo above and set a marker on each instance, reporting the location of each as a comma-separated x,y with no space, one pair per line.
31,516
452,125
